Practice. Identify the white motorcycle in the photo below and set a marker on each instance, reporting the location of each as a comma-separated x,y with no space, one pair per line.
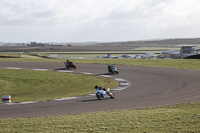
102,93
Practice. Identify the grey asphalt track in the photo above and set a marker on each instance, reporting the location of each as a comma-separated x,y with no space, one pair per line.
150,87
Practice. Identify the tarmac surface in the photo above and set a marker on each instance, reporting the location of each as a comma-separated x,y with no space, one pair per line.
150,86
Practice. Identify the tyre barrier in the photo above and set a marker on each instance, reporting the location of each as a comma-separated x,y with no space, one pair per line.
6,99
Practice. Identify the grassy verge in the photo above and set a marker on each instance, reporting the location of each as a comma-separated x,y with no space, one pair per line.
11,54
30,85
171,63
177,118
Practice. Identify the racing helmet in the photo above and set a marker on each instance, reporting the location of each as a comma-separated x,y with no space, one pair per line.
96,87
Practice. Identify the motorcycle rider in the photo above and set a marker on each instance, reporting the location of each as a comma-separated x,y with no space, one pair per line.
106,90
66,63
97,87
109,67
100,88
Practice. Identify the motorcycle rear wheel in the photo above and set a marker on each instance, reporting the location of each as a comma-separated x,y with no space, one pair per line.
99,96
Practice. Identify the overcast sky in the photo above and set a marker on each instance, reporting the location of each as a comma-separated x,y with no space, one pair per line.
97,20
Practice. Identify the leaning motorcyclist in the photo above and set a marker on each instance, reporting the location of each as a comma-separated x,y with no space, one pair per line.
100,88
109,67
66,63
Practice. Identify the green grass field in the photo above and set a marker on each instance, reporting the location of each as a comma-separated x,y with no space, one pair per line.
177,118
31,85
11,54
183,118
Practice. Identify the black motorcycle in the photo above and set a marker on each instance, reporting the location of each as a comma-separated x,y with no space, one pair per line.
112,70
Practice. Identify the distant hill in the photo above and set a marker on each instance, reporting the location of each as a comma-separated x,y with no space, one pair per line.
172,41
159,42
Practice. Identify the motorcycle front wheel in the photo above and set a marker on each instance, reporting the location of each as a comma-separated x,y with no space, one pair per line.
112,95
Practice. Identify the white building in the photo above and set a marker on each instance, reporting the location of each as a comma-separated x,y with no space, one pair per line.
185,51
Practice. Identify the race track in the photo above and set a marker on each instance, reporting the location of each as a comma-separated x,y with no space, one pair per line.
150,87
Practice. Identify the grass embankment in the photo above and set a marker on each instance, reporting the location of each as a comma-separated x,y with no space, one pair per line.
11,54
192,64
177,118
30,85
170,63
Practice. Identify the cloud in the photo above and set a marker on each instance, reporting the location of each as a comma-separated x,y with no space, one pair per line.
100,20
62,11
